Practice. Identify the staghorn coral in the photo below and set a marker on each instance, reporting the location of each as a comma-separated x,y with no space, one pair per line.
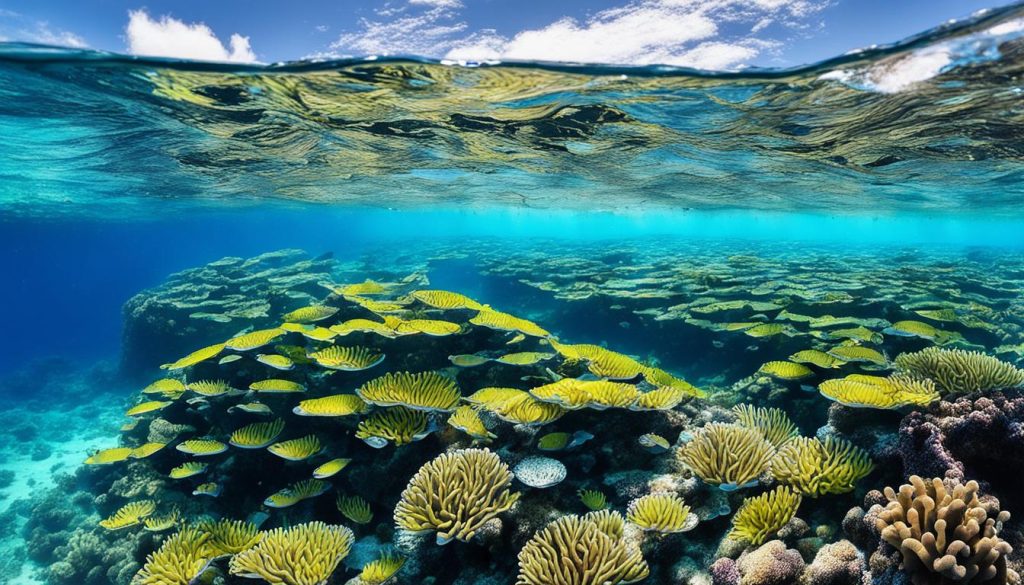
764,515
455,494
587,550
814,467
945,536
730,456
661,512
179,561
306,554
957,371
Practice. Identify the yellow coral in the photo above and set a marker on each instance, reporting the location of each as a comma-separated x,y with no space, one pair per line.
593,499
254,339
228,537
894,391
663,398
815,468
306,554
381,570
455,494
442,299
661,512
398,425
730,456
179,561
130,514
956,371
504,322
467,420
354,508
764,515
773,423
575,550
597,394
421,391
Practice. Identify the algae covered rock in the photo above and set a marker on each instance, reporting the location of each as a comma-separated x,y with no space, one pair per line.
216,301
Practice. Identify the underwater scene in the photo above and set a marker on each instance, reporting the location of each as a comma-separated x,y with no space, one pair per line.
404,321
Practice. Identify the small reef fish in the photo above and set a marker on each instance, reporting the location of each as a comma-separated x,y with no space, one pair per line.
146,407
188,469
201,447
276,386
229,358
331,468
207,489
468,360
654,444
278,362
732,487
524,358
310,314
252,408
563,441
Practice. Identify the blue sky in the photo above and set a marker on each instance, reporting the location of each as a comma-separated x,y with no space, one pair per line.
710,34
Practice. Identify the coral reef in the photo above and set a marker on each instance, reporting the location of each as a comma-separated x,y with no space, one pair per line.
213,302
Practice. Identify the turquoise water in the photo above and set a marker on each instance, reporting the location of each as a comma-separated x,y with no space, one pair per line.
701,225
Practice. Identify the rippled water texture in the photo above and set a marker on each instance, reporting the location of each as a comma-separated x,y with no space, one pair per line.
933,123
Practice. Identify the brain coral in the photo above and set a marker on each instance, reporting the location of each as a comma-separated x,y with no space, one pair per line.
455,494
945,536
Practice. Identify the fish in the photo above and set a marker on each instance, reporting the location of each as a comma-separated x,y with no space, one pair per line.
563,441
199,355
108,456
516,339
468,360
654,444
201,447
278,362
524,358
276,386
331,468
207,489
254,339
310,314
229,358
147,407
188,469
252,407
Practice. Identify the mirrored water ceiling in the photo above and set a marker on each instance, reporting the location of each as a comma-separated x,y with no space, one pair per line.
930,124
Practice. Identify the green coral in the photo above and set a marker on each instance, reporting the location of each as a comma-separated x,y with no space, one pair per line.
730,456
815,468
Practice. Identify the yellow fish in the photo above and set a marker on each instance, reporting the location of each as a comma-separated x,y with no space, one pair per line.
278,362
467,360
145,407
188,469
331,468
524,358
254,339
274,385
195,357
310,314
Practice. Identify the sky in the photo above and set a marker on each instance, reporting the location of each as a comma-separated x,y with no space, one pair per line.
705,34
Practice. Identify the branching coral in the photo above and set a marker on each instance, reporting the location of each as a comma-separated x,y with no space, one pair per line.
945,536
576,550
455,494
730,456
764,515
179,561
956,371
228,537
398,425
815,468
306,554
664,513
773,423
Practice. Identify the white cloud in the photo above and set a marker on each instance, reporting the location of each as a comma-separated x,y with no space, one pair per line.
705,34
170,37
18,27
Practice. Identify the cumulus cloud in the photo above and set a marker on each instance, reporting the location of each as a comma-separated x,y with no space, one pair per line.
705,34
170,37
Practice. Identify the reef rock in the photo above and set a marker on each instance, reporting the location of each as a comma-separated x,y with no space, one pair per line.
839,563
208,304
770,564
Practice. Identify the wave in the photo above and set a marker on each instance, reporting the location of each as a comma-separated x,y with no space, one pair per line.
931,123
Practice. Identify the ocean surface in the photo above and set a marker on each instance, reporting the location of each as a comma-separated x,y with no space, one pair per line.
634,252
